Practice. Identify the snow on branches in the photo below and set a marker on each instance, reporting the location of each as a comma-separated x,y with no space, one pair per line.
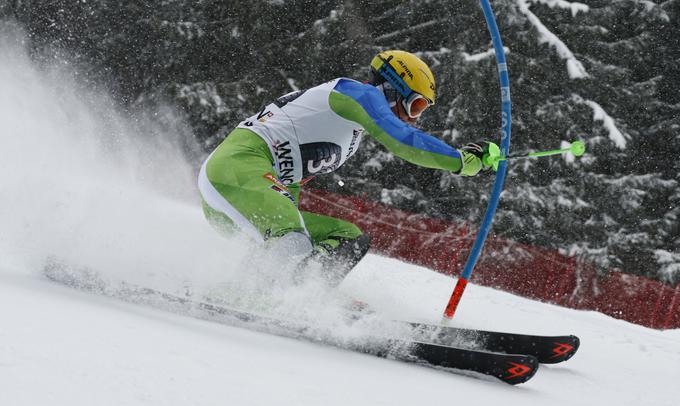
574,7
669,264
481,55
599,114
574,66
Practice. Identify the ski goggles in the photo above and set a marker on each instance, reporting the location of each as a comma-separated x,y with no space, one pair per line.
415,104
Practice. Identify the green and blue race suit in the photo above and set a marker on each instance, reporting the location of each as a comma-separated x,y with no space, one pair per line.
252,180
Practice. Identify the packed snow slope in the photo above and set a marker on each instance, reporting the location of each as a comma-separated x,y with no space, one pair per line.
90,185
63,347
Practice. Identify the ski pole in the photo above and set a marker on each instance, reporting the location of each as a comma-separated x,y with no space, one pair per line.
493,157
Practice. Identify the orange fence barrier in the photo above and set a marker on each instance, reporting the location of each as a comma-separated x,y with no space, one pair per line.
530,271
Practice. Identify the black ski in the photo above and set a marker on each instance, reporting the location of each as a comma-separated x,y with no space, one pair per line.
509,368
547,349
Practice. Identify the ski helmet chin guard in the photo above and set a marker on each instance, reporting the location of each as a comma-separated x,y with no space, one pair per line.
404,72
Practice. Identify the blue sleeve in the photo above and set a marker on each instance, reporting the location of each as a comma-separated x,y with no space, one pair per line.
373,102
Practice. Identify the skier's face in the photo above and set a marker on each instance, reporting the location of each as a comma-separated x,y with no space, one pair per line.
400,112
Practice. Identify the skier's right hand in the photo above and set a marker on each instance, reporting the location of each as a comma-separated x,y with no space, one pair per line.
473,158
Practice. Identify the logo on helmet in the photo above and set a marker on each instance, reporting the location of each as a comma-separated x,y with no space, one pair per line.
406,69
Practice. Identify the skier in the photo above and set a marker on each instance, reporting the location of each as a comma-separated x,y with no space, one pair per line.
252,180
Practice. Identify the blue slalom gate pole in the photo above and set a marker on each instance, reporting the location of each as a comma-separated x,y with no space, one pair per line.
506,124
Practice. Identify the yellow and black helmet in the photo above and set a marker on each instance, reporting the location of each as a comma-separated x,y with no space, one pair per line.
405,72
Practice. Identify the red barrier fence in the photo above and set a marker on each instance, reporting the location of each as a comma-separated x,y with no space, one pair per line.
530,271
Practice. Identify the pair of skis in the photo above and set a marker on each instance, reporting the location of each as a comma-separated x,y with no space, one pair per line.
511,358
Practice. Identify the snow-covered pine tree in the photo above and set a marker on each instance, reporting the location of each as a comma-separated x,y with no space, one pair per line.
607,91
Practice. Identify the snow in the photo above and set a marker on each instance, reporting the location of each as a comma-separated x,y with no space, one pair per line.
85,182
599,114
568,157
291,83
60,346
574,7
574,66
205,94
669,261
489,53
614,133
656,10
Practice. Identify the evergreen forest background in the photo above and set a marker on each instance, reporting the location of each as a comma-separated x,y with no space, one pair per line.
603,71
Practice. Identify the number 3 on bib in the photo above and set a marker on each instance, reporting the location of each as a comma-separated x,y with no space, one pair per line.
320,157
319,166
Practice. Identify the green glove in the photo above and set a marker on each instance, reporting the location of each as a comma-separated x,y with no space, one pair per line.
475,158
